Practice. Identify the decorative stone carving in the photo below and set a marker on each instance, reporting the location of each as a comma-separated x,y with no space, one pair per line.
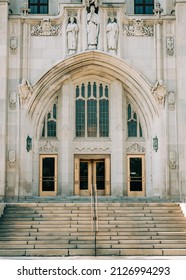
96,3
72,35
170,45
171,100
12,100
25,91
172,159
159,91
48,148
46,28
92,148
93,23
136,148
112,31
138,28
158,10
13,44
25,10
11,158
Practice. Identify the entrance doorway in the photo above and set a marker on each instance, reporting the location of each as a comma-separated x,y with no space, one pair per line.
94,171
48,175
136,175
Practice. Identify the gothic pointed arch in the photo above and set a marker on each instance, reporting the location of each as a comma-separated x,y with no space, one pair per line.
136,86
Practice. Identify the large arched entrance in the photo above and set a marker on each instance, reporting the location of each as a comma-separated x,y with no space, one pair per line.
92,117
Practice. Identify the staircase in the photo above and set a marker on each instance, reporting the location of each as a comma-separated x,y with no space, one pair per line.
65,229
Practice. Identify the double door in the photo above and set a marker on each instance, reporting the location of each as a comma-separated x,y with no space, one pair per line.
92,172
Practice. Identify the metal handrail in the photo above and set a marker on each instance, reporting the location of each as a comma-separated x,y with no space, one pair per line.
94,213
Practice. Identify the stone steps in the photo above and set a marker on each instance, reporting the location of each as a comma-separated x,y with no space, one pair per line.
65,229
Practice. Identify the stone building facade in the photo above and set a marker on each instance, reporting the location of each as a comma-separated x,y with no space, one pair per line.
93,93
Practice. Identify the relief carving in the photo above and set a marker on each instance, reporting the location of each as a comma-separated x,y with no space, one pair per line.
171,101
170,45
12,100
11,158
138,28
92,148
48,148
46,28
25,91
159,91
136,148
13,44
172,159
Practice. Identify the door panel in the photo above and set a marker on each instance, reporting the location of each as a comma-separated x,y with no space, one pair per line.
100,174
136,175
48,175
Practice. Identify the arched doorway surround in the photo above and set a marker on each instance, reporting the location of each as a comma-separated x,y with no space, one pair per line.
135,86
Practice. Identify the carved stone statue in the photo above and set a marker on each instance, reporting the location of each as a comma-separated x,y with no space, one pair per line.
25,91
112,30
92,28
159,91
72,35
92,2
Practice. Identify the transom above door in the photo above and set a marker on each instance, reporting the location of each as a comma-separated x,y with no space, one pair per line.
92,171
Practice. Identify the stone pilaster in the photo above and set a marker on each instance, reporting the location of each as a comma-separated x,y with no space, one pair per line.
3,92
180,8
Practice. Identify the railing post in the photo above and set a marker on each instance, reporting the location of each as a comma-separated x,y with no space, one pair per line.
94,215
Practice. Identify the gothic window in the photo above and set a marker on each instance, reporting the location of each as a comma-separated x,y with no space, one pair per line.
133,122
49,127
38,6
92,110
143,6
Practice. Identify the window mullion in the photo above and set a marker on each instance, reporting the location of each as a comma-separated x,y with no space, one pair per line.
86,113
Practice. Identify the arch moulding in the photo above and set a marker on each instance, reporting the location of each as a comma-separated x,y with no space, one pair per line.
96,63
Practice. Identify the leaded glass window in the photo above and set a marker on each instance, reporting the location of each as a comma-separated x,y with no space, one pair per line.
92,110
143,6
133,123
38,6
49,127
